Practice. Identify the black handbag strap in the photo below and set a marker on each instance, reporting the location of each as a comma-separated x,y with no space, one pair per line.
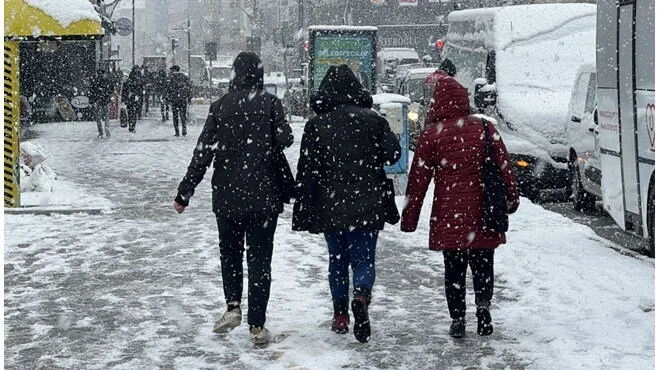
489,143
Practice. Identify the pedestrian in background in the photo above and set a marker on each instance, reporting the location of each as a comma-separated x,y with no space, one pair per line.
101,91
179,94
244,136
130,95
452,150
161,87
342,189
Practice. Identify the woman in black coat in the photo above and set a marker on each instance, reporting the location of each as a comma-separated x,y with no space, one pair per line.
131,95
244,135
342,188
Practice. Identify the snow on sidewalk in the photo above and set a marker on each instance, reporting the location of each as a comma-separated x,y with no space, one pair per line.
139,287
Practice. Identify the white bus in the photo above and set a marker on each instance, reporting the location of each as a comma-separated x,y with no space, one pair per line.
625,65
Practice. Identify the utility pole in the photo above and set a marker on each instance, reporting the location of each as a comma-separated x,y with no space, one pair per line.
133,35
301,20
287,94
189,41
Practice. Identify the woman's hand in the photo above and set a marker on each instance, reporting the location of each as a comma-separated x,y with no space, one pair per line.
178,207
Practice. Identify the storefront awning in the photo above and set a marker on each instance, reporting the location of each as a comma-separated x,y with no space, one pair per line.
38,19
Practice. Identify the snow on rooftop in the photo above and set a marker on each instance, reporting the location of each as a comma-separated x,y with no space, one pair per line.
66,12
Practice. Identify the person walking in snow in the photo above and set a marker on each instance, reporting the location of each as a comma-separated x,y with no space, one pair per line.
130,95
101,92
244,133
452,151
179,93
161,87
342,189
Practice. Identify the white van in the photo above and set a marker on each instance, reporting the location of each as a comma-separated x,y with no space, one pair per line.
583,134
626,113
518,63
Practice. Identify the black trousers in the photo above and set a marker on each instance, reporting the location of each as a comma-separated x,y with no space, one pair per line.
257,231
179,111
481,264
133,110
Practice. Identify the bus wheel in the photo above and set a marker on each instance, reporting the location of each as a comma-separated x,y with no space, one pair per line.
650,219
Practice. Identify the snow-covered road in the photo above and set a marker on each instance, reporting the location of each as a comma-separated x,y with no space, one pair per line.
138,286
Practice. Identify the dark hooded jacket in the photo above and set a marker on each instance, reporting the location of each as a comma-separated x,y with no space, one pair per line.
132,89
101,89
178,90
341,181
243,133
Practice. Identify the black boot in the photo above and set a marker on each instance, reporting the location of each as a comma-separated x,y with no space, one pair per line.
362,327
457,328
484,321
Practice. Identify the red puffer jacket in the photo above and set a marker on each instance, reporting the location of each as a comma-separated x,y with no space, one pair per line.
452,150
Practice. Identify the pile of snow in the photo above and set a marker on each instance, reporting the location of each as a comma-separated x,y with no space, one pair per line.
66,12
537,58
35,176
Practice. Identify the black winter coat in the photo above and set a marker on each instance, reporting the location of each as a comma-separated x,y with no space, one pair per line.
132,89
178,88
101,89
243,131
341,181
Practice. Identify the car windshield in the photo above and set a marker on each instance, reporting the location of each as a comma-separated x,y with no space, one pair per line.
416,89
220,72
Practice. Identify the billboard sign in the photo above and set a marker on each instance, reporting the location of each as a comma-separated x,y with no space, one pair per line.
354,46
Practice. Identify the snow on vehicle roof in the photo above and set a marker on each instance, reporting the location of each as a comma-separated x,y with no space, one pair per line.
344,28
519,23
537,57
398,53
385,98
420,71
66,12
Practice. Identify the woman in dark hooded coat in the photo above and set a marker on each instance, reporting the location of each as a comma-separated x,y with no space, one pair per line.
131,95
341,188
244,133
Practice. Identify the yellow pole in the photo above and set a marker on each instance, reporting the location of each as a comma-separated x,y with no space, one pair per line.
12,121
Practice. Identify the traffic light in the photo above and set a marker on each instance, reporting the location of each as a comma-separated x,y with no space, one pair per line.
175,43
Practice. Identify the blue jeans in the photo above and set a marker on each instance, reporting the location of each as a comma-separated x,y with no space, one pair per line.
357,248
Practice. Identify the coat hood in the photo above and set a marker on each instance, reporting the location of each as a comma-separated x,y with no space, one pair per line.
450,100
247,72
339,86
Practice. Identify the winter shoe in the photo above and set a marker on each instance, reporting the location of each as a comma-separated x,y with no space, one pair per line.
457,328
362,327
228,321
484,321
340,324
259,335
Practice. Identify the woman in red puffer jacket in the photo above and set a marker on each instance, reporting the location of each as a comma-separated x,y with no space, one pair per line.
452,151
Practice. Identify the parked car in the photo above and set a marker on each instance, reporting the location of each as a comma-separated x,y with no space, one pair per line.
518,65
582,133
389,59
411,85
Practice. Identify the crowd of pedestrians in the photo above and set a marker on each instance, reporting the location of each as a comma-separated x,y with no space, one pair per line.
142,90
341,191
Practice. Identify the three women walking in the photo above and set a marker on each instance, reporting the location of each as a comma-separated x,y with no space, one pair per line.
343,192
